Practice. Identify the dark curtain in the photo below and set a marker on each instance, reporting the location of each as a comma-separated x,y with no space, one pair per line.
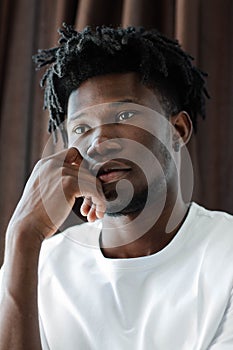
205,29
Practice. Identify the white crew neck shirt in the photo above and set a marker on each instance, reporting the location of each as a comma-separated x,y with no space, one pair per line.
177,299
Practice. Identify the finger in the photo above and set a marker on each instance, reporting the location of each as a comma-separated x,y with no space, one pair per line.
86,206
100,205
81,183
100,214
91,216
73,156
91,189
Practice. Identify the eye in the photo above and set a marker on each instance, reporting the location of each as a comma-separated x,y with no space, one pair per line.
124,116
81,129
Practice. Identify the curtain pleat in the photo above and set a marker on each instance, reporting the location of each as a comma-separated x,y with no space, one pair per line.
150,14
15,107
92,12
205,29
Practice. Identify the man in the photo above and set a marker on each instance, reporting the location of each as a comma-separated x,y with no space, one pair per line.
149,270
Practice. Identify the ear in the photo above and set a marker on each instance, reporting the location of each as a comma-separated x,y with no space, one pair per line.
183,126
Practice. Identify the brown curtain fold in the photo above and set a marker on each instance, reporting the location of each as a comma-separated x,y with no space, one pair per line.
205,29
92,12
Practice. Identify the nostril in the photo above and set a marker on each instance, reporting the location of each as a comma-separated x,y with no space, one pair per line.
93,148
107,146
103,147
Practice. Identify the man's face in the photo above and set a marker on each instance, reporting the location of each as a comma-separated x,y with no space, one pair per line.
117,124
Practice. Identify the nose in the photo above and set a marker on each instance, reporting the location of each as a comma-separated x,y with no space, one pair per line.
102,146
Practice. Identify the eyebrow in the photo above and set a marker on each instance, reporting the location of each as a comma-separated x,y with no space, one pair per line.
78,115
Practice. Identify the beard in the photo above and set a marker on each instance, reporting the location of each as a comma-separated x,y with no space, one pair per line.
116,208
118,204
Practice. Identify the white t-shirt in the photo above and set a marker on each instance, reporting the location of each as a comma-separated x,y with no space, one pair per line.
177,299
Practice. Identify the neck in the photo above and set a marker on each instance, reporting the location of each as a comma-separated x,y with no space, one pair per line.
144,233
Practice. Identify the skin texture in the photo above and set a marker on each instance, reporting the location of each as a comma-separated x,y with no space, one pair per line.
32,223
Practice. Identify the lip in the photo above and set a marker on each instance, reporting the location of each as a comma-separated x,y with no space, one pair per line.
110,171
113,176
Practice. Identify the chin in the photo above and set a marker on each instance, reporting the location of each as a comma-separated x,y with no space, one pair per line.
136,205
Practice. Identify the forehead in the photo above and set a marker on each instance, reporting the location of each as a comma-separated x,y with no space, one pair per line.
112,88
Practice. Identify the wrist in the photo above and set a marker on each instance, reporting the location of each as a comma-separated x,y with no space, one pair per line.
21,237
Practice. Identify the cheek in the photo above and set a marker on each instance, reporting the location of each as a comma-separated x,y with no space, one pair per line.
71,139
142,142
150,154
150,134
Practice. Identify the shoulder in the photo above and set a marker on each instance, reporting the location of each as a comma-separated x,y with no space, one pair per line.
213,230
212,219
212,237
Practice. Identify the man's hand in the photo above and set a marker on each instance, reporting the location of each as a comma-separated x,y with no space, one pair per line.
50,194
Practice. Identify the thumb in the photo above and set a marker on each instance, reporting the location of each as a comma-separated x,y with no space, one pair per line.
73,156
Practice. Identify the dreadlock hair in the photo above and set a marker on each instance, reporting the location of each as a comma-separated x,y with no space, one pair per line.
160,62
